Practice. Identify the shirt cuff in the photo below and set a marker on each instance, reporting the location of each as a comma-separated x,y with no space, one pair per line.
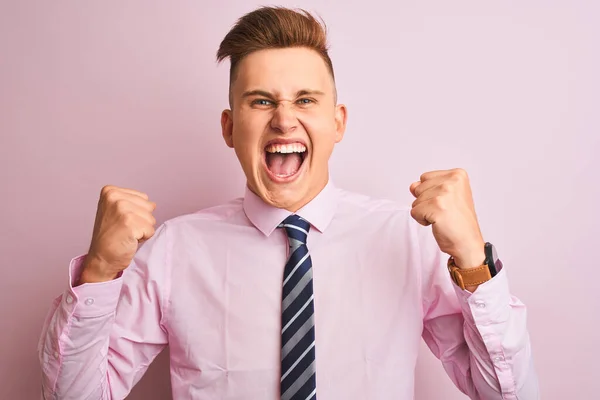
489,303
90,300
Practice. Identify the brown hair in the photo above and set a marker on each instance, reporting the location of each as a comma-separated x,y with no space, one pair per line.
273,28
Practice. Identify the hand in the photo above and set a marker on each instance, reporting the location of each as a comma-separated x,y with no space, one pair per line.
444,200
123,220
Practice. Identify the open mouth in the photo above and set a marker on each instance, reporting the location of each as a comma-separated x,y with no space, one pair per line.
284,160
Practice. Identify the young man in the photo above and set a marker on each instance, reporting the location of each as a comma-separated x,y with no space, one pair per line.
300,290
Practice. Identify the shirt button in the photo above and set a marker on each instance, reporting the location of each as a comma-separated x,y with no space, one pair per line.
56,354
498,359
69,299
89,302
480,304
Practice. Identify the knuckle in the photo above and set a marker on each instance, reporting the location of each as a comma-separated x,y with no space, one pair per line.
149,218
111,195
121,206
415,213
446,187
105,189
147,232
460,173
141,194
439,202
128,219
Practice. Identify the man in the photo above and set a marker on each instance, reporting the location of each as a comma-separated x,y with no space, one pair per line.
300,290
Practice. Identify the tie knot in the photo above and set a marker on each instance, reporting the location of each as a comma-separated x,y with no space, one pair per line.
296,228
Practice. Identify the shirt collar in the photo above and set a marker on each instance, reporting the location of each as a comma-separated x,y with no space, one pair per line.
319,211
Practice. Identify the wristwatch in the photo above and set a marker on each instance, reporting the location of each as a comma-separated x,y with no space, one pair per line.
476,276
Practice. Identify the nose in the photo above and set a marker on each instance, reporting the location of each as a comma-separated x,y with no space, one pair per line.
284,119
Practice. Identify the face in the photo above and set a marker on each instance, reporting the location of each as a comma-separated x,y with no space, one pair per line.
283,124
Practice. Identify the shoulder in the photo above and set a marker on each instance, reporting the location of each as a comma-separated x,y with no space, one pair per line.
383,215
359,203
229,212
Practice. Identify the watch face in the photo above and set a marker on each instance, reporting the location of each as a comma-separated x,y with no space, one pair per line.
491,259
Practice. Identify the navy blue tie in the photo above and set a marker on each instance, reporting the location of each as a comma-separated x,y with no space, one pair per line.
298,368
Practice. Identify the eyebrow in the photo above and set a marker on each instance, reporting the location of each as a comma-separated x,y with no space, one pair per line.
303,92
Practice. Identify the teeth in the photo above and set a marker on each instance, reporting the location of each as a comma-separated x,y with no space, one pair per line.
286,148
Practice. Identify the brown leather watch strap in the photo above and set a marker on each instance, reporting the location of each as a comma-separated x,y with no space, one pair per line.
468,277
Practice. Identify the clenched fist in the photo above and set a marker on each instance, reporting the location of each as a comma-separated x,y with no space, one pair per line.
124,220
444,200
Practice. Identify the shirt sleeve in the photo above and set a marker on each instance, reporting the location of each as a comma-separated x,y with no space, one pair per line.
99,338
481,338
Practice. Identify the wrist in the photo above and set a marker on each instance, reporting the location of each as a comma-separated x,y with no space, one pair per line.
471,258
95,270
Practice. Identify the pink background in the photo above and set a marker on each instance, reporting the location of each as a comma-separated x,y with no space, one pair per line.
128,93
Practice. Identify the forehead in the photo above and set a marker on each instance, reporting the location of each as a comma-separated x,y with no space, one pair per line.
283,71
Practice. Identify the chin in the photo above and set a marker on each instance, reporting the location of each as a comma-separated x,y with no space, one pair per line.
290,197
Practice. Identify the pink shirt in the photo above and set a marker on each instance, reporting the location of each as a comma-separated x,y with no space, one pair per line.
209,285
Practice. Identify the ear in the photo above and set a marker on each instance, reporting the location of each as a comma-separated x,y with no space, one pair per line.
227,127
341,116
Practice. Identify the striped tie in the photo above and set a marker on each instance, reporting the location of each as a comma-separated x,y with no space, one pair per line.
298,369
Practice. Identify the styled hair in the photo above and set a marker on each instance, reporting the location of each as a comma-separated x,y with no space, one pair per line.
273,28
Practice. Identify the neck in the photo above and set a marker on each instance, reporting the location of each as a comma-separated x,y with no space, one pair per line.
314,192
293,208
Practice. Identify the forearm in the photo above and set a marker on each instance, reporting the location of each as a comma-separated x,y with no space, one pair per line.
74,343
495,332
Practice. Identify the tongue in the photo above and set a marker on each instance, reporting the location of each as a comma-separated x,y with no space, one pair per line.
284,164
